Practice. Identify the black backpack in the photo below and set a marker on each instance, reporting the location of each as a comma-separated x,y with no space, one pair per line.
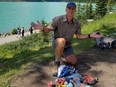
108,42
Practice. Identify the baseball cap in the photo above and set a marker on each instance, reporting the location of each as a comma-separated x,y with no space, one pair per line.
71,4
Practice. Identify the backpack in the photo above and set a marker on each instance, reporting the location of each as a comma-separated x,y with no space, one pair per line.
106,43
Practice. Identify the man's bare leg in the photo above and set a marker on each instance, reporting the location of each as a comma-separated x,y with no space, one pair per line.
60,44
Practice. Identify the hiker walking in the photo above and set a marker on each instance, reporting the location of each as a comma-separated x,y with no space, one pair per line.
22,31
18,32
31,30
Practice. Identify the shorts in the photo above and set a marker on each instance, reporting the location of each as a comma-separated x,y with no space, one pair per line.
68,50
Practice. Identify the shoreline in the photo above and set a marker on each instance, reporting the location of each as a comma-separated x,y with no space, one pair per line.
10,33
11,38
14,37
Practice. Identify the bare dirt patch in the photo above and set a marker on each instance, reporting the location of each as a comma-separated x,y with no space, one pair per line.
98,63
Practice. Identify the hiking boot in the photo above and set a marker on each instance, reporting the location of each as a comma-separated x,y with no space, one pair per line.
56,65
55,74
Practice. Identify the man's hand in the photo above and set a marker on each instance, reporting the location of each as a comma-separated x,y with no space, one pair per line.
96,35
37,26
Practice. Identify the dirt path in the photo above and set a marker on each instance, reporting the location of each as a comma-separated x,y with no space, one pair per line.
101,64
11,38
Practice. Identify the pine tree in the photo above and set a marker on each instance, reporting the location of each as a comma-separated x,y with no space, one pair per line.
101,7
87,9
90,9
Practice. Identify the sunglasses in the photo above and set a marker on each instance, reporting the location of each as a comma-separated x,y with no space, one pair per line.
71,8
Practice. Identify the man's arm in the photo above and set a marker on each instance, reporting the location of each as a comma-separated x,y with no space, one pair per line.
92,35
39,26
81,36
45,29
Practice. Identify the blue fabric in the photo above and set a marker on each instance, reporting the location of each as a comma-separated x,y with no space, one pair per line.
67,70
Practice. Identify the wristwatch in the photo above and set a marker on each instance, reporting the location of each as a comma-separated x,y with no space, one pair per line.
89,36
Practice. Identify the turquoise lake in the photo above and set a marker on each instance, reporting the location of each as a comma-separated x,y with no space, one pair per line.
21,14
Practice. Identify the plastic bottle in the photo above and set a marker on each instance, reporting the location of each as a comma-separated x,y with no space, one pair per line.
69,85
78,83
87,86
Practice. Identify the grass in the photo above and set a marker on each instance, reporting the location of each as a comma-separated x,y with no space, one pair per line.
15,57
105,26
106,23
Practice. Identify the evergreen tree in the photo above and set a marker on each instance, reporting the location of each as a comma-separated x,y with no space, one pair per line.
87,9
90,10
81,15
101,7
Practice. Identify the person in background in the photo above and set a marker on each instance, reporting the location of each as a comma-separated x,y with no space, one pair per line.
18,32
31,30
64,28
22,31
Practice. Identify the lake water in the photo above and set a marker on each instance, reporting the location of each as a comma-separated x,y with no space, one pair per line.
21,14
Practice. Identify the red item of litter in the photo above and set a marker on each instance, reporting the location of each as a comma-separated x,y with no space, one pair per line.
50,84
89,79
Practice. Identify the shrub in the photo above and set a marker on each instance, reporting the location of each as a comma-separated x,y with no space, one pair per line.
14,31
